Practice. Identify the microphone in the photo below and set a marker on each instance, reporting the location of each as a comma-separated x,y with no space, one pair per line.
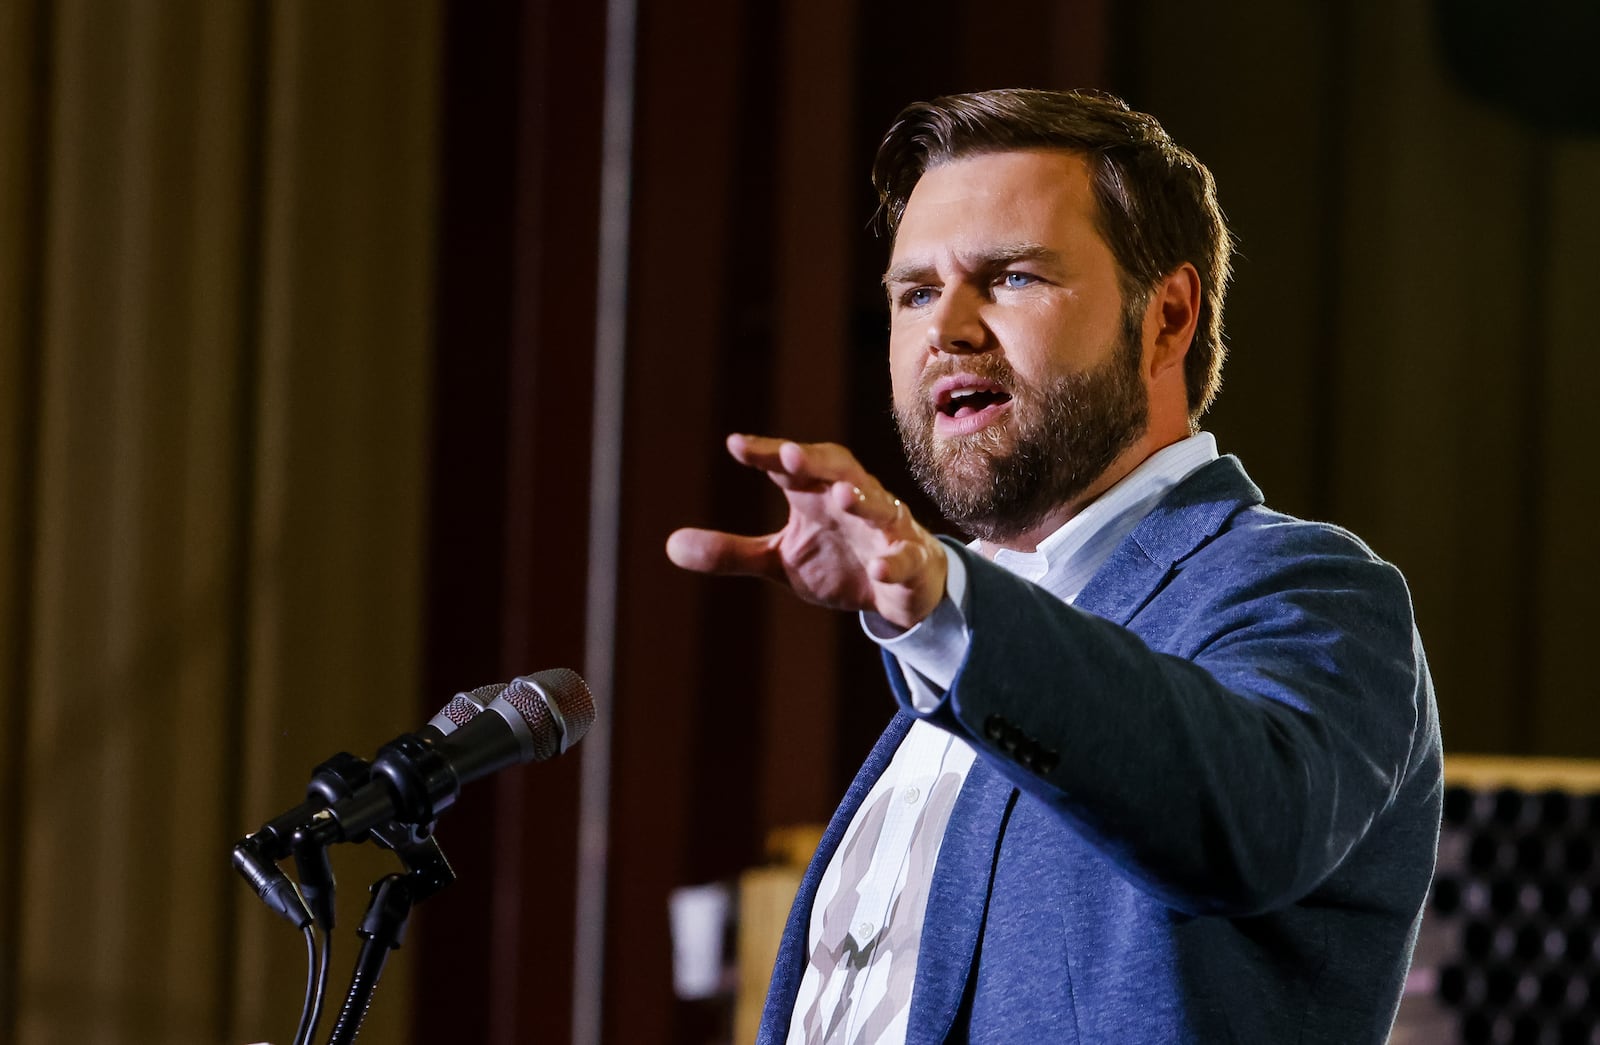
311,859
340,775
553,709
463,707
417,776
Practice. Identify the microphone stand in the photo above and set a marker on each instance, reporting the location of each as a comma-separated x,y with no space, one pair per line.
310,905
256,856
396,800
383,929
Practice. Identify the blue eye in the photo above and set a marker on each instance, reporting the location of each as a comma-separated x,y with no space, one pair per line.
1018,280
920,297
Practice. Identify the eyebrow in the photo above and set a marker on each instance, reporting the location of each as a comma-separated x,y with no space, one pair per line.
918,270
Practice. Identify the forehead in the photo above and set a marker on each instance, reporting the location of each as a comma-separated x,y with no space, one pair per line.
1042,196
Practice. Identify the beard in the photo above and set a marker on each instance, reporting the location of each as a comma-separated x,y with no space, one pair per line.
1060,437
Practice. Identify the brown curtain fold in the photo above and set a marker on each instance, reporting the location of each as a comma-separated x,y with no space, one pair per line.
215,273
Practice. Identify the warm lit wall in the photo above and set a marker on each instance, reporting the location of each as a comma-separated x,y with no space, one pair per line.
215,272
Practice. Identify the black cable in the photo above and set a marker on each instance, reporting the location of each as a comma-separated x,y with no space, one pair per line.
302,1034
322,985
316,986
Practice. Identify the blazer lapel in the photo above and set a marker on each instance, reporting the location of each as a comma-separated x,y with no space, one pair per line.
1191,514
958,901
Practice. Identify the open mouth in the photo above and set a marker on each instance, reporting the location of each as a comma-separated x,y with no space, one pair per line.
964,402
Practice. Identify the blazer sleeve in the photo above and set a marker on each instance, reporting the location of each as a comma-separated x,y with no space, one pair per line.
1235,740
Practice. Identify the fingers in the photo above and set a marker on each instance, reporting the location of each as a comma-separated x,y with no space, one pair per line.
848,543
821,460
757,451
821,466
909,581
827,461
903,562
712,551
872,504
798,466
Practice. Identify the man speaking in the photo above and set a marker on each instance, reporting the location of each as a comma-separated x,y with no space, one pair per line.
1166,766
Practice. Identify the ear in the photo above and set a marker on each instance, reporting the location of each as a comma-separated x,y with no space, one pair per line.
1170,321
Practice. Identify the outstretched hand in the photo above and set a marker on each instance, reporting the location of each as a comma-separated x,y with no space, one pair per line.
849,544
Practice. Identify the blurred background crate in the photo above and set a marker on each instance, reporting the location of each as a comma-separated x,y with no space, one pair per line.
1507,951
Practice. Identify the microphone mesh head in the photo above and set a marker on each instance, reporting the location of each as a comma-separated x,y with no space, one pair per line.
557,706
464,707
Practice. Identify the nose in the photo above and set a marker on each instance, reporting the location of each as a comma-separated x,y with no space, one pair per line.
956,325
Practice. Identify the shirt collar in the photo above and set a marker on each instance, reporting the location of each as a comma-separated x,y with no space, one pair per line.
1067,558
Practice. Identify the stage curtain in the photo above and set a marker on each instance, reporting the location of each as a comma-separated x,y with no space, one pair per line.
215,327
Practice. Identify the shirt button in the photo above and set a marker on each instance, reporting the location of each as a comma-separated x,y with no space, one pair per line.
864,931
912,796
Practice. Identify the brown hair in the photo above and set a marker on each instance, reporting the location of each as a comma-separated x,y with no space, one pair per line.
1157,204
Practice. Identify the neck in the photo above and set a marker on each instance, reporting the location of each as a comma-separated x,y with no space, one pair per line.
1119,469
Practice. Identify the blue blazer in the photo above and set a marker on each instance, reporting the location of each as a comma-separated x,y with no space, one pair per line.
1206,803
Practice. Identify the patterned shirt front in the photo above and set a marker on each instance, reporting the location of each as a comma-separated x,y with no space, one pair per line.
864,936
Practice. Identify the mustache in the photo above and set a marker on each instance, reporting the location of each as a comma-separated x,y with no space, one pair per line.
986,367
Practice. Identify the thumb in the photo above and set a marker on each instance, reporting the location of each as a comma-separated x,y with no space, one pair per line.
712,551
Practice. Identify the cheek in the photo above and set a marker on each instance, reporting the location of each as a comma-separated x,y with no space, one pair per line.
1044,340
906,360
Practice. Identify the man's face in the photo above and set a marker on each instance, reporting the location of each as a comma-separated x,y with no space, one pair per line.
1015,365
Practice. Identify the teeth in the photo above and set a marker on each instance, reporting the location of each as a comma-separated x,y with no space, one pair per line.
962,393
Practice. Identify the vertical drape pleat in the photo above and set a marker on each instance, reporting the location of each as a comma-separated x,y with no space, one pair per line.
336,538
21,179
1567,556
215,282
